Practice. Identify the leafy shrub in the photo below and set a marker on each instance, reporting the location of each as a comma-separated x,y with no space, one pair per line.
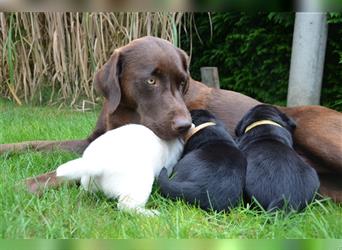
253,52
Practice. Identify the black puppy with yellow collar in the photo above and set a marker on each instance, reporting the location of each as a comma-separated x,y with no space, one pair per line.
276,176
211,171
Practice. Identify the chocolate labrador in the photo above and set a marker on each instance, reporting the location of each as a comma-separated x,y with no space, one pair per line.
148,82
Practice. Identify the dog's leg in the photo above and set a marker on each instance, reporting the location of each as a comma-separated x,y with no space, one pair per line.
39,183
331,186
89,185
318,139
77,146
318,135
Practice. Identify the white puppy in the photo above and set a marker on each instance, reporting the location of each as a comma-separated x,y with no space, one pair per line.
123,164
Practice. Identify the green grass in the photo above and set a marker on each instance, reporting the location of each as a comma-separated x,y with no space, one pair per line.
69,212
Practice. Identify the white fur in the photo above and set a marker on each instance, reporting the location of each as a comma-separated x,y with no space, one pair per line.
123,164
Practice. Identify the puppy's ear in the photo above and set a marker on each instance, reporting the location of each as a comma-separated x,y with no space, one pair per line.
246,119
239,129
288,121
291,122
107,81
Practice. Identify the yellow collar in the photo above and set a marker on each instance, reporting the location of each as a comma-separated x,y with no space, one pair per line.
262,122
193,130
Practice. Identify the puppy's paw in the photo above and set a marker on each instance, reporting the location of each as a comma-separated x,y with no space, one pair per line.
127,205
149,212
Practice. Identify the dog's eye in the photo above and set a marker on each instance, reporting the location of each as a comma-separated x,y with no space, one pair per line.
151,81
182,83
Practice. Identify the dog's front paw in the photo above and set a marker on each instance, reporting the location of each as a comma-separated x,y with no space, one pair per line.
36,185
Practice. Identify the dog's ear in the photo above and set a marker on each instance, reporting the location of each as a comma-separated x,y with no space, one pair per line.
288,121
239,129
292,123
185,59
107,81
247,119
186,64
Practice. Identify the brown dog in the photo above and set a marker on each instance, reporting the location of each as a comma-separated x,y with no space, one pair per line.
148,82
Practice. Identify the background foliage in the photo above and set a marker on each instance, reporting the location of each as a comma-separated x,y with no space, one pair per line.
253,51
52,57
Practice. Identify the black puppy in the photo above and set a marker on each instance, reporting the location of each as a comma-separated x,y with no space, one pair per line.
211,172
276,176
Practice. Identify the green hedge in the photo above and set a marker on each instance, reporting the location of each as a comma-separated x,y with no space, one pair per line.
253,51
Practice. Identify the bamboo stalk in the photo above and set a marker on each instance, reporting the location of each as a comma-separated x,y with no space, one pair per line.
52,57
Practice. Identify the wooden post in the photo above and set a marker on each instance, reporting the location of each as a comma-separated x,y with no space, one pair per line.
210,77
307,59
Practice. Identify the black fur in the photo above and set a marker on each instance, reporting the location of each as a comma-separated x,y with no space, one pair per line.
276,176
211,172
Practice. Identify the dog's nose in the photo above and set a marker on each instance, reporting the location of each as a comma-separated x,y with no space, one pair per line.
181,125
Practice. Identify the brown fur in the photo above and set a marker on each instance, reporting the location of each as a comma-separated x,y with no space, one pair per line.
128,100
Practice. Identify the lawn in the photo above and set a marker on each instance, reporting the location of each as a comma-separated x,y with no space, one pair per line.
69,212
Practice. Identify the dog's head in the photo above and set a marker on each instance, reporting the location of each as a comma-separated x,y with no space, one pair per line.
148,76
200,116
264,112
201,135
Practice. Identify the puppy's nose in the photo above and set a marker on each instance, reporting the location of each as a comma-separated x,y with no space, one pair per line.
181,125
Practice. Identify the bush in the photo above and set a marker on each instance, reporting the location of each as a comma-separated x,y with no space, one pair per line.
253,52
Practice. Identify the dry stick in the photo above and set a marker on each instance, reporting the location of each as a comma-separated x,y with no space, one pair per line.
14,94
